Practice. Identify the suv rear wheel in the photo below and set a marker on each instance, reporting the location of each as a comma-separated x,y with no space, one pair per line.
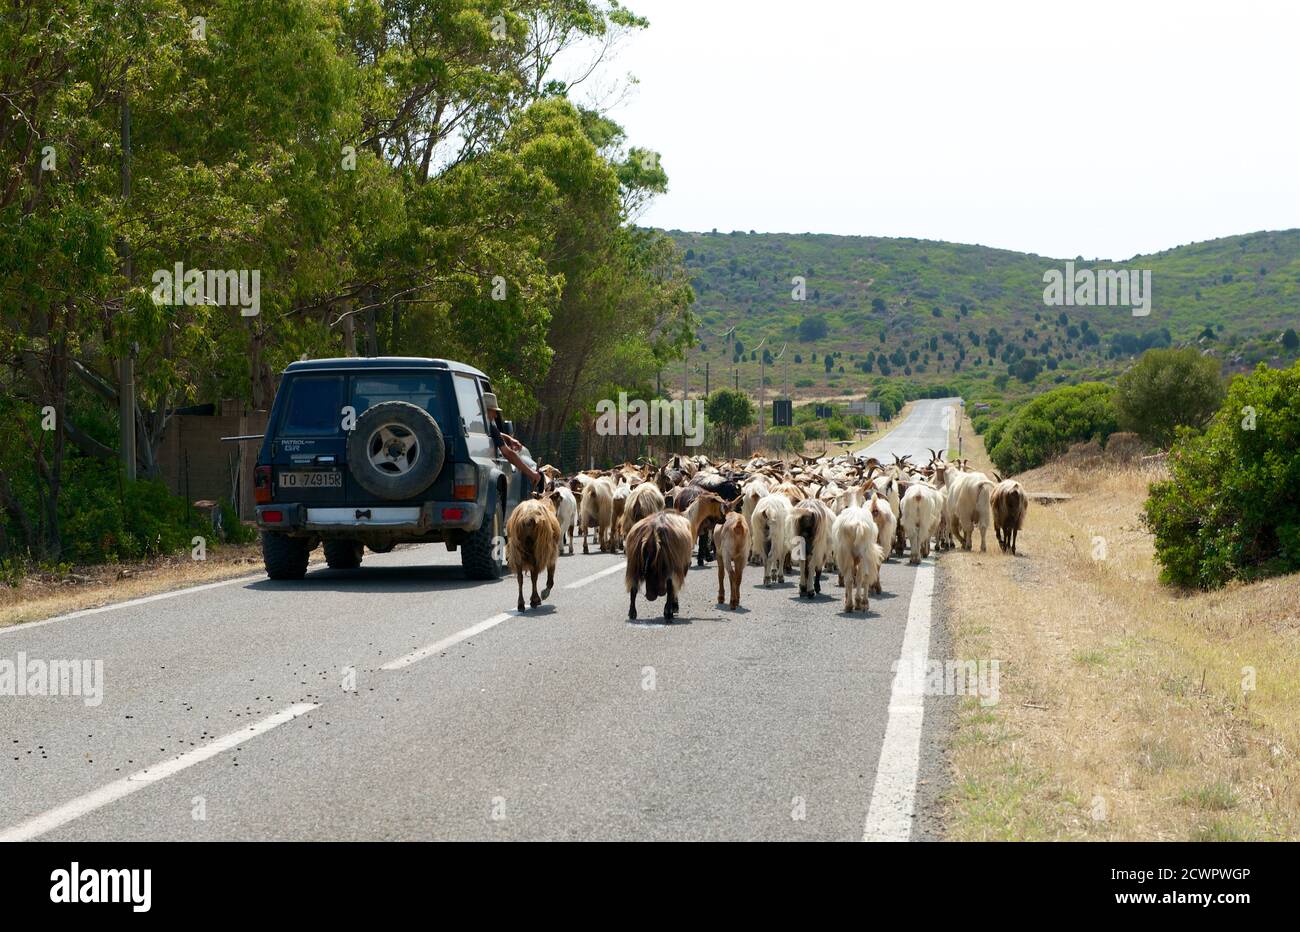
343,554
480,556
285,557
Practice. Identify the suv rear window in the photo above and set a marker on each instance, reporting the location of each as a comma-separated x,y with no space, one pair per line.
428,391
315,407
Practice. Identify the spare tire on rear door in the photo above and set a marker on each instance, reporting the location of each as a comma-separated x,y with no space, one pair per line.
396,450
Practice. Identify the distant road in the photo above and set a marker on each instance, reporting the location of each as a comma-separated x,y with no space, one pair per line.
227,712
924,429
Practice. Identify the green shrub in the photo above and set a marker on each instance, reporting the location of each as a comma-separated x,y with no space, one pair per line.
1230,509
787,439
993,432
1167,389
106,520
1049,424
838,430
233,531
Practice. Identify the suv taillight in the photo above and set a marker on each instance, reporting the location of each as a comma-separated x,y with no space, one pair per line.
465,483
262,485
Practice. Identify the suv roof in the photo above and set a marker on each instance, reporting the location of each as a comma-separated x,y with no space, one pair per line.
381,362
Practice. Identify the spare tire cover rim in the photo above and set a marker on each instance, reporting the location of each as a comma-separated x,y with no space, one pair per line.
393,450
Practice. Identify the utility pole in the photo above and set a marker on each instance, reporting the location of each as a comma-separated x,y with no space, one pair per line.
126,374
762,393
706,378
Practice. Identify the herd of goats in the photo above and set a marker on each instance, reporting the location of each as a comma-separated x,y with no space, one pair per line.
841,513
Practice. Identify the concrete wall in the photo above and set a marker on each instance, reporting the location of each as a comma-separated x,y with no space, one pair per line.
196,464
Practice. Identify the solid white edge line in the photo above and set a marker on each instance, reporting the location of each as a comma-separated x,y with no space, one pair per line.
416,656
595,576
893,798
75,809
156,597
29,625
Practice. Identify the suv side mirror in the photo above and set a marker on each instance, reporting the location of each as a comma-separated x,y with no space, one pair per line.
509,427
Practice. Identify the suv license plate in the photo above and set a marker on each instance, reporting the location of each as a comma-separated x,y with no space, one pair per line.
312,479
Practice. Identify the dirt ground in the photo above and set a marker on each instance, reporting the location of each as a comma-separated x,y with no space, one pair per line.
43,595
1128,709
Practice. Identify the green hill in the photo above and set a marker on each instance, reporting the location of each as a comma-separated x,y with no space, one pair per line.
934,310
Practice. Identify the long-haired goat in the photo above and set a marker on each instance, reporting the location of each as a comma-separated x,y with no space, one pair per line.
970,505
812,527
771,529
731,546
642,502
566,511
751,494
922,516
681,500
857,553
659,551
596,508
886,527
1009,503
891,489
533,543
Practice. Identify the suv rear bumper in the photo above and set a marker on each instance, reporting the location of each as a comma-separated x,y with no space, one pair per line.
391,520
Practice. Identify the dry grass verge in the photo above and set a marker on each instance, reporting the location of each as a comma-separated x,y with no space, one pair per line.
1128,710
45,595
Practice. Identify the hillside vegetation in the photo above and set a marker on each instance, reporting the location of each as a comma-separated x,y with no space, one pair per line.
971,316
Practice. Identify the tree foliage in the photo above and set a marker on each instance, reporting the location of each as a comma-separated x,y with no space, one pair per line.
1167,389
1229,509
407,178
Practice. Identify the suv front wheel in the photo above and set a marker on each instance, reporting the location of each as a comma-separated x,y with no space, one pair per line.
285,557
482,553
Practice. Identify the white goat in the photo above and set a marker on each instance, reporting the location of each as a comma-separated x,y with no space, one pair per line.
597,509
857,554
566,511
771,533
922,517
969,497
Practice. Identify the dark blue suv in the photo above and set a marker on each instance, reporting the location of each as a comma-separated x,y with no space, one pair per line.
374,452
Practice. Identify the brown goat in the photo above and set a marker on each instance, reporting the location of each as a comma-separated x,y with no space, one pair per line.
731,546
533,541
659,551
1010,503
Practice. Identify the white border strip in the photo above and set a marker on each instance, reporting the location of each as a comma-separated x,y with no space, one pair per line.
157,597
416,656
893,798
61,815
170,594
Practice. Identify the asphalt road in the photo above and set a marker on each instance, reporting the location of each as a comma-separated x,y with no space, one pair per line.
352,705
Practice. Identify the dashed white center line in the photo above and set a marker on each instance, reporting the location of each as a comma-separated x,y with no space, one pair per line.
436,647
595,576
95,799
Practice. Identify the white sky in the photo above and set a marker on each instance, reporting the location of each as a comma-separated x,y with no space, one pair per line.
1102,129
